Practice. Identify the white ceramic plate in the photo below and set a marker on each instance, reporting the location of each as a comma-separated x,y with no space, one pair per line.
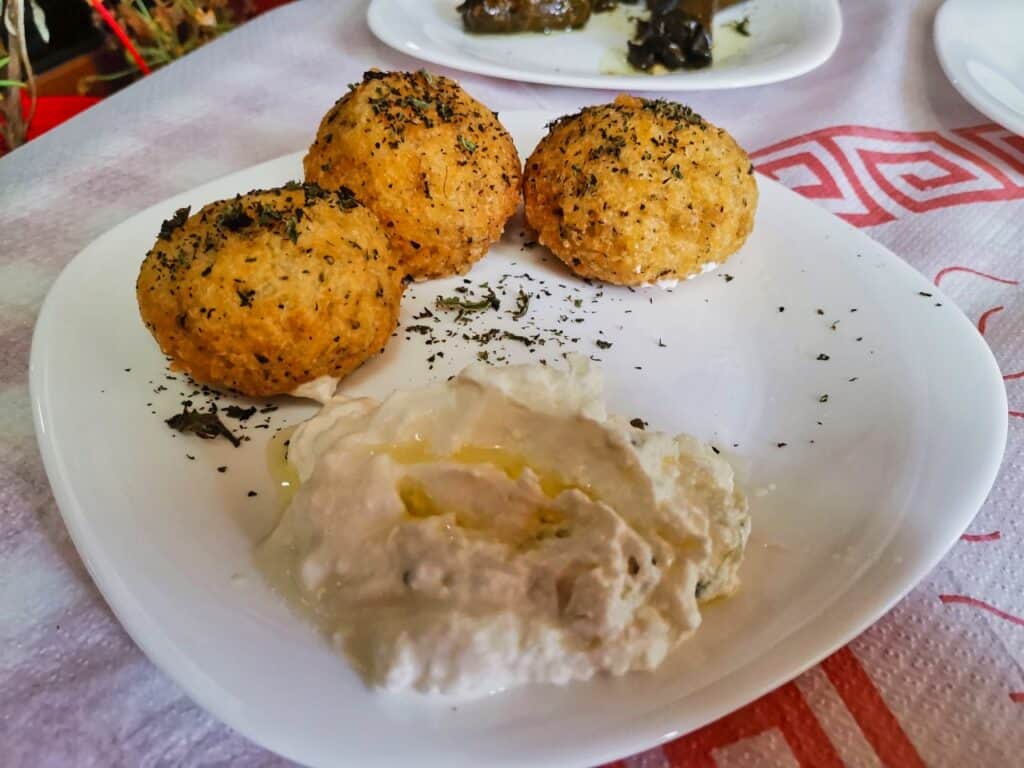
852,512
787,38
980,44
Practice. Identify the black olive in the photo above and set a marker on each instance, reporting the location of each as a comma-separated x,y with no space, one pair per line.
671,54
677,34
641,56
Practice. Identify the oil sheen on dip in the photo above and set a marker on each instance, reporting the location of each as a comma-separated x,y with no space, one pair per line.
501,529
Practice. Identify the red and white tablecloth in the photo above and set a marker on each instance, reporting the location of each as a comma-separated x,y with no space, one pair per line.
877,136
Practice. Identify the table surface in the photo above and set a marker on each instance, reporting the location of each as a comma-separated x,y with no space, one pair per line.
877,135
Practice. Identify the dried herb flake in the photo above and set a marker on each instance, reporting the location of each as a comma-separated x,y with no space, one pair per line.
522,304
490,301
240,413
175,222
205,425
742,27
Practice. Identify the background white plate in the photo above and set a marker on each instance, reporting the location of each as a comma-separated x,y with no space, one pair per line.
787,38
901,461
980,44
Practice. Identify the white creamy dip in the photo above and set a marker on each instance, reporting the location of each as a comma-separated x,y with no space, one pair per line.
502,528
321,389
669,283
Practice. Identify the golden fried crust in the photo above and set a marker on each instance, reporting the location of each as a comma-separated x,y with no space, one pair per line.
639,191
434,164
271,289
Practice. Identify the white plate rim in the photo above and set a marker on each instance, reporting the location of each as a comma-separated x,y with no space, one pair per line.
815,53
862,606
992,108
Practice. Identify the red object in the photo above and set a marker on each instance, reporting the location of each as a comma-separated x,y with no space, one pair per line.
51,111
976,603
983,320
943,272
121,35
994,536
266,5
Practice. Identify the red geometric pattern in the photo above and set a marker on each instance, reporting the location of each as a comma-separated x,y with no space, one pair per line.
869,176
784,710
880,727
787,713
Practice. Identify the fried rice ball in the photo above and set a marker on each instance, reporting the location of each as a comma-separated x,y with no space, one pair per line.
639,191
431,161
271,289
